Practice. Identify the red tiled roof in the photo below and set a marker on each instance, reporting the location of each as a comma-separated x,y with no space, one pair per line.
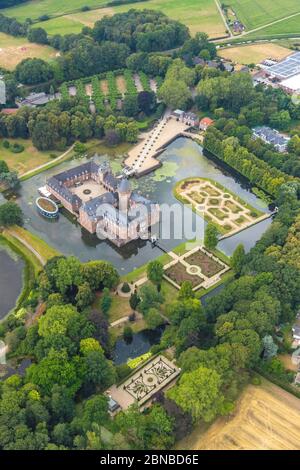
207,121
9,110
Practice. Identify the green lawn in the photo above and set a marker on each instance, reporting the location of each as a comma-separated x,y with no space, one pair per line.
198,15
290,27
27,160
36,8
255,13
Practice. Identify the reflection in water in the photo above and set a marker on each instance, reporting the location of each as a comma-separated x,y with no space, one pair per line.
140,344
183,158
11,269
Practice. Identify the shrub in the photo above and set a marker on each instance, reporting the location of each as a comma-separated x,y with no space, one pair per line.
17,148
6,144
85,8
125,288
256,380
123,370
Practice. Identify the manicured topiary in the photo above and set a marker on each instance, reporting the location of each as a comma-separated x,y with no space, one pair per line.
125,288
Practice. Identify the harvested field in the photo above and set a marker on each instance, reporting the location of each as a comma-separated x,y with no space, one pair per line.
209,267
266,418
254,53
13,50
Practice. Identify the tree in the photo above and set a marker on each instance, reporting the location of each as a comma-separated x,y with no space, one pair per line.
153,318
57,320
270,348
98,370
186,291
175,93
130,105
100,274
127,334
199,393
211,236
238,258
55,368
33,71
84,296
37,35
134,300
106,301
147,101
150,297
10,214
155,272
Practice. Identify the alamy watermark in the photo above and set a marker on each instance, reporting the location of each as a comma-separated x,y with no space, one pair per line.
149,221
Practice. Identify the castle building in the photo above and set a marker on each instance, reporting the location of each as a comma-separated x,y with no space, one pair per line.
104,204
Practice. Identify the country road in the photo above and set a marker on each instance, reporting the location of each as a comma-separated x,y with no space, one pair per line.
246,33
223,18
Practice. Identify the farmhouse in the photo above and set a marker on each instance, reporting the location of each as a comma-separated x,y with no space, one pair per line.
104,204
205,123
272,137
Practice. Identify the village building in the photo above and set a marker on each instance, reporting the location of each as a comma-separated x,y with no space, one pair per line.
188,118
104,204
205,123
272,137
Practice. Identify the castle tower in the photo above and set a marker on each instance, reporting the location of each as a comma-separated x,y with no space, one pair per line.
124,191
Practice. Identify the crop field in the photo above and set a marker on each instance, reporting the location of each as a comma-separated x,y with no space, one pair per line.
286,27
266,418
13,50
254,53
198,15
36,8
255,13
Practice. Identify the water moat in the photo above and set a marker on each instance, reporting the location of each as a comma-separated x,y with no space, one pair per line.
183,158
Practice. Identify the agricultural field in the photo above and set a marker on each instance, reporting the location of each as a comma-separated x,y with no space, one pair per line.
286,27
198,15
266,417
13,50
256,13
35,8
24,161
254,53
109,90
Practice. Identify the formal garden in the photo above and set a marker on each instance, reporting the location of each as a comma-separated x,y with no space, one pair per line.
217,204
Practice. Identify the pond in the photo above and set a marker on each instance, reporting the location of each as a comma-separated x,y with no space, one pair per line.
183,158
140,344
11,279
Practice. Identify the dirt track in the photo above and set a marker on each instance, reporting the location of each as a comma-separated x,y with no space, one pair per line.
266,417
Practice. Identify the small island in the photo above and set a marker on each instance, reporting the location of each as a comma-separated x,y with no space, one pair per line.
217,204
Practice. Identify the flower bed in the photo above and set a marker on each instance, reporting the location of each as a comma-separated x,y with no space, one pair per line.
178,274
209,267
